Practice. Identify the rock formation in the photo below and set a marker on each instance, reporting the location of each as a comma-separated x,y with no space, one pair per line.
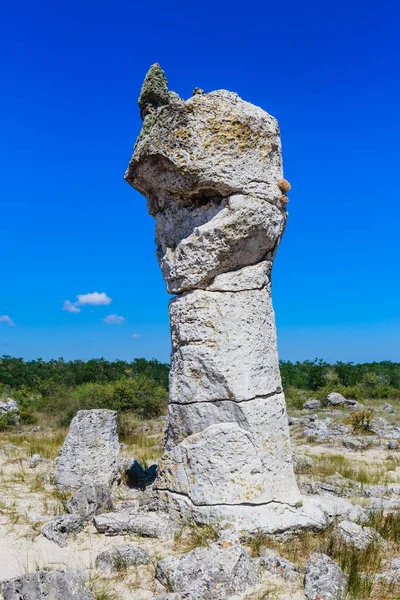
90,454
211,169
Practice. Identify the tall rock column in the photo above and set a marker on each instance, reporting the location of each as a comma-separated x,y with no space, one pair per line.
211,169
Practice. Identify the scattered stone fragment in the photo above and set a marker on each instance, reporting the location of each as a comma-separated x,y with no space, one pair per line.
335,485
277,565
312,404
118,558
335,399
387,407
335,507
324,579
173,597
90,454
35,460
213,573
8,405
356,536
393,445
60,584
360,442
90,500
391,575
57,529
147,524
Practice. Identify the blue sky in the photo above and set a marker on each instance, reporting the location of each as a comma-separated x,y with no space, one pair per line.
70,225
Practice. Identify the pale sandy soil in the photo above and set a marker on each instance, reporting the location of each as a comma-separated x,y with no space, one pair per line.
27,500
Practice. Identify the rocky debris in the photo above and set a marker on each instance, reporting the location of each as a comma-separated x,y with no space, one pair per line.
391,575
57,529
392,445
324,579
36,460
130,507
47,585
312,404
90,500
211,168
8,405
334,507
387,407
361,442
118,558
335,399
384,430
356,536
277,565
213,573
173,597
90,454
382,491
385,505
155,525
325,430
335,485
9,409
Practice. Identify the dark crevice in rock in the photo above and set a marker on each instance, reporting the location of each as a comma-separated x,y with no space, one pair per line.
278,390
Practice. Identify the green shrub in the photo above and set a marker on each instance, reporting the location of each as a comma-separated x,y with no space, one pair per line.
138,394
360,420
9,421
27,417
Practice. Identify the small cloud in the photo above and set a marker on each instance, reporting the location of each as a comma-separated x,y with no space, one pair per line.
94,299
69,307
114,320
135,335
7,319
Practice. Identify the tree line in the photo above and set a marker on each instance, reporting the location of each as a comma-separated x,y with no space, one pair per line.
60,388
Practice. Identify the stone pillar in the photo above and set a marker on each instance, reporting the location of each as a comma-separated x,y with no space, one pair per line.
211,169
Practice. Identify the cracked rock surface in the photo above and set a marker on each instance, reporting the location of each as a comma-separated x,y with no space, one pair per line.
211,169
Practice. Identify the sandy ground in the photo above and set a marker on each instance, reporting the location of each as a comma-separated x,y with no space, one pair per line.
28,499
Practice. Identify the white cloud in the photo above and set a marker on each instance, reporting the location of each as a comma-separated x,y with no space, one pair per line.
69,307
135,335
7,319
94,299
114,320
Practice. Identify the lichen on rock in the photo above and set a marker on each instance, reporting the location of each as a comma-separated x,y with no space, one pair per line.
154,92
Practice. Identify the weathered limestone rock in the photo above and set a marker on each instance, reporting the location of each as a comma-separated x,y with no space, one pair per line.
145,524
119,558
57,529
273,563
324,579
8,405
47,585
213,573
90,454
356,536
211,168
90,500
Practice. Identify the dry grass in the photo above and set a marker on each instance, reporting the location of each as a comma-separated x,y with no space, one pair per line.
363,472
195,536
